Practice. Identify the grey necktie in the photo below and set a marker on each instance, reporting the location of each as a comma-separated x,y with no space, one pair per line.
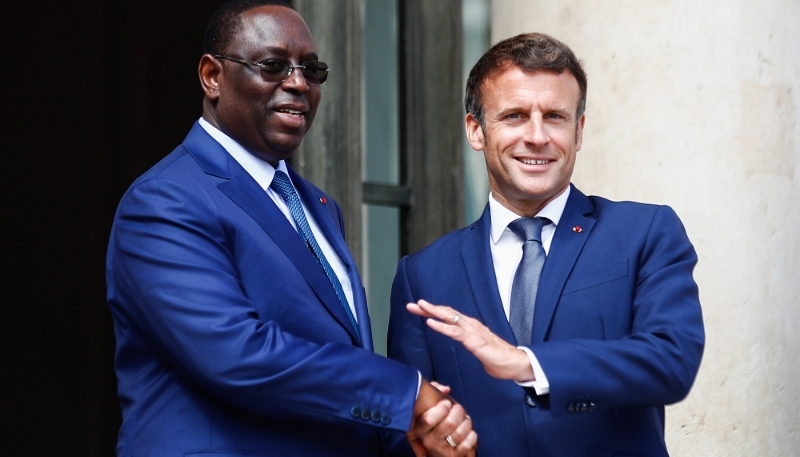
526,279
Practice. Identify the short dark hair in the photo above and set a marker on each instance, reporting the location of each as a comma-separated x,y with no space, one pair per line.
530,52
226,22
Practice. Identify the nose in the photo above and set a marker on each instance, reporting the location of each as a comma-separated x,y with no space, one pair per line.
295,79
536,132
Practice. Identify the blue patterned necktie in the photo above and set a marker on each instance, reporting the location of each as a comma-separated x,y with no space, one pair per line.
526,279
282,185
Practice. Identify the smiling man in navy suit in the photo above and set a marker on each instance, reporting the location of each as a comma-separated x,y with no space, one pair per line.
565,323
240,318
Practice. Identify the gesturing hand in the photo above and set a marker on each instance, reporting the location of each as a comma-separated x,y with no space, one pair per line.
500,359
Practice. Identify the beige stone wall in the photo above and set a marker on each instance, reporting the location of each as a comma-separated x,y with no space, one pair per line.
696,104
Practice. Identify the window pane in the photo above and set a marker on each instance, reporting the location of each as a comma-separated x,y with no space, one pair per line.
382,242
381,155
381,224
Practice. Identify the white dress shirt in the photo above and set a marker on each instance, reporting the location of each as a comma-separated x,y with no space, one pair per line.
506,249
263,173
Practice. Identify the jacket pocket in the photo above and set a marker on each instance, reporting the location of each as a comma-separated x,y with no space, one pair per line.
580,280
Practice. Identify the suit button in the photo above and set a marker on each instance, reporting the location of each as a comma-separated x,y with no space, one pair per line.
584,407
592,406
385,419
571,408
365,414
529,401
355,411
376,416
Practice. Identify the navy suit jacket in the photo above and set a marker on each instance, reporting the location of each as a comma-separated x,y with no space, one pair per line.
230,338
617,330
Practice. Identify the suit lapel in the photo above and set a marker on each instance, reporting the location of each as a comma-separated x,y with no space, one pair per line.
564,252
243,190
324,215
477,259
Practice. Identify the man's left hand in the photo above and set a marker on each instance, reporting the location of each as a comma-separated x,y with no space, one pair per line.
499,358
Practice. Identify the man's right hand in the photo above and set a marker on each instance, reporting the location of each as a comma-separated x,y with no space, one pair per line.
440,427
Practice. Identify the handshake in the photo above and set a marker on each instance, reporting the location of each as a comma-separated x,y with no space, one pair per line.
441,427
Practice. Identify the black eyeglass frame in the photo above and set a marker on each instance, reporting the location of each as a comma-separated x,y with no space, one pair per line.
306,68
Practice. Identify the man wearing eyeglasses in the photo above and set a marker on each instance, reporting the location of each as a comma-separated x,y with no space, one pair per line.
239,315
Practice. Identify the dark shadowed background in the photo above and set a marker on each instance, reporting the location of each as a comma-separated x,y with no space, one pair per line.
95,92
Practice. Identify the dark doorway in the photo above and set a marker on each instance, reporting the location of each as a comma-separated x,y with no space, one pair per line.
95,91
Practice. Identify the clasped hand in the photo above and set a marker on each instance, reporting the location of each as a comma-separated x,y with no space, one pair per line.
441,427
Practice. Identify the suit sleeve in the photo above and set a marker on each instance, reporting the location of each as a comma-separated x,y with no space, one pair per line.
173,283
657,361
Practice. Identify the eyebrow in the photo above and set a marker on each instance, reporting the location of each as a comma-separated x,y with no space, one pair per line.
284,52
506,111
562,111
567,114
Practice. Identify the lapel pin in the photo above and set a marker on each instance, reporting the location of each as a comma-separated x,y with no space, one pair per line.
323,200
577,229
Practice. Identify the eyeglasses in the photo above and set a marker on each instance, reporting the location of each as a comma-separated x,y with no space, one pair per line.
279,70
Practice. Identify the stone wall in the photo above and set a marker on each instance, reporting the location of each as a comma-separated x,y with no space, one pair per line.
695,105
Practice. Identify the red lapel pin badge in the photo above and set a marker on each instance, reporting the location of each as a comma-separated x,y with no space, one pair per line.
577,229
323,200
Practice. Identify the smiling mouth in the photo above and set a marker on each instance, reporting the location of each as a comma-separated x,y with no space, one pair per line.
290,111
535,161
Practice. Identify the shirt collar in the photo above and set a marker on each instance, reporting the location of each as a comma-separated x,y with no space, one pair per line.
260,170
502,216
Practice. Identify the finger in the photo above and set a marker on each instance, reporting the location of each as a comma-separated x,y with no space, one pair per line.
433,417
444,314
463,430
450,423
436,438
415,309
447,315
441,312
442,388
455,332
448,319
465,447
428,397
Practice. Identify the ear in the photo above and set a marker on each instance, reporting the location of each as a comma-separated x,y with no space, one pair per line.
579,132
210,70
475,134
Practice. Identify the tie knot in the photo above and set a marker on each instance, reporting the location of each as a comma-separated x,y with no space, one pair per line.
528,228
281,184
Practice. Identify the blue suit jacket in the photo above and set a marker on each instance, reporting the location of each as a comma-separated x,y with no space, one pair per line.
617,329
230,338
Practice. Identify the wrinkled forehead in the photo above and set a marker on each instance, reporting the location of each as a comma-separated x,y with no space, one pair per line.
521,88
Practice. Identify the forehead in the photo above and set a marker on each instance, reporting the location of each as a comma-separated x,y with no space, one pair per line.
273,28
513,84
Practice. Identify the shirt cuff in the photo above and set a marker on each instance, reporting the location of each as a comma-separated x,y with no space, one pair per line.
540,384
